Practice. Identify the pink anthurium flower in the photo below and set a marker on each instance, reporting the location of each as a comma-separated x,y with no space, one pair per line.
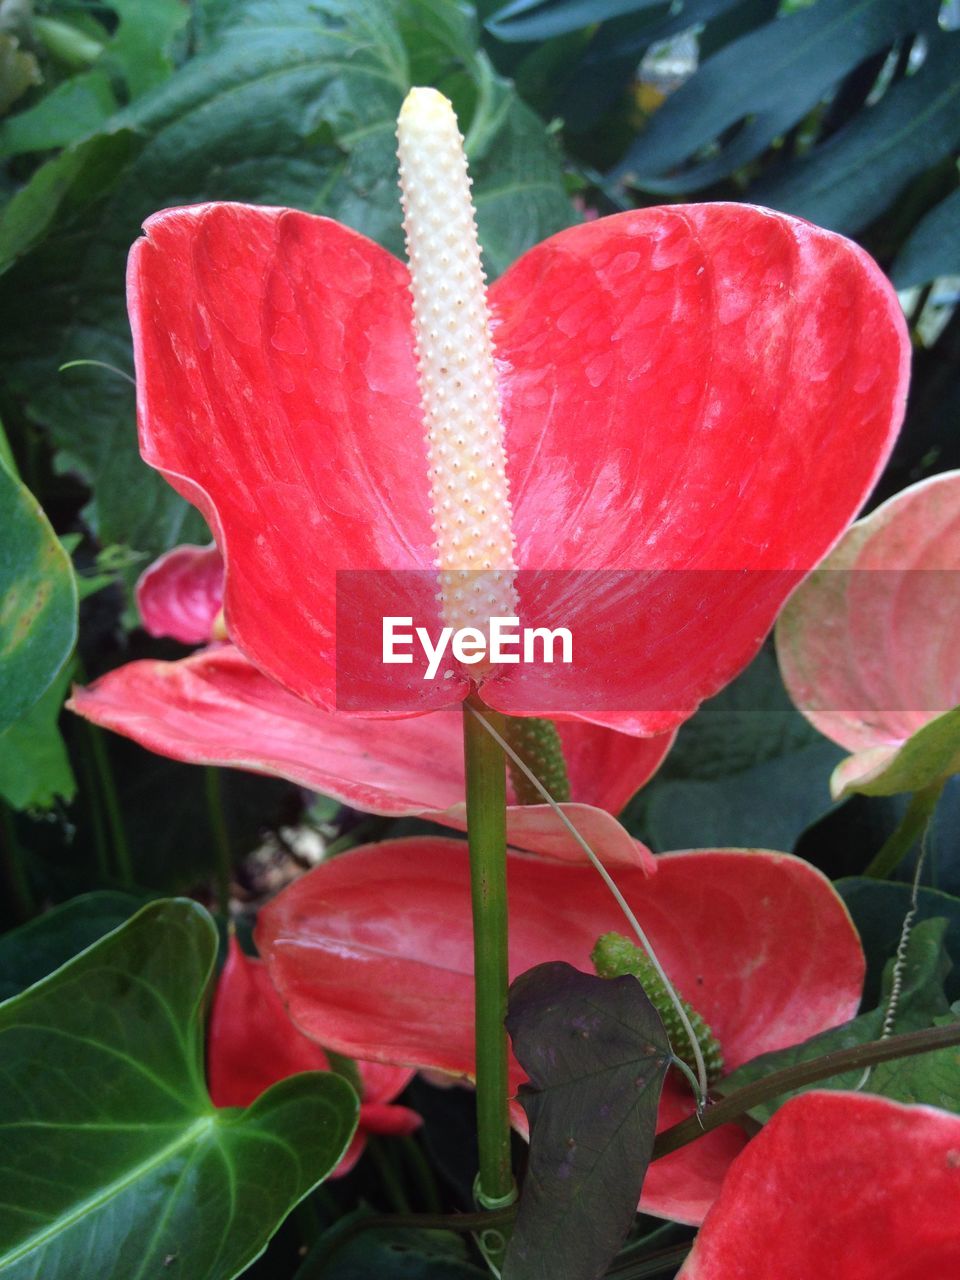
252,1044
372,953
181,594
867,645
217,708
838,1186
696,400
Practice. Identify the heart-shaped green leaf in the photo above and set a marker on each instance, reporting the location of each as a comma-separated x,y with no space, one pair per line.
38,601
115,1162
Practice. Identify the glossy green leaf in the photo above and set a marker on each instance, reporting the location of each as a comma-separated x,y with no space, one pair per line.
596,1054
933,248
765,82
34,765
116,1164
35,949
38,601
931,1078
855,175
283,105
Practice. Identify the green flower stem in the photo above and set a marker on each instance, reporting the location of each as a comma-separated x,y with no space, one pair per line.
736,1104
912,826
487,837
221,839
111,805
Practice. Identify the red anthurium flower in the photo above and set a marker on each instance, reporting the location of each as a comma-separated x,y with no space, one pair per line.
216,707
181,594
252,1044
710,389
867,645
373,955
838,1186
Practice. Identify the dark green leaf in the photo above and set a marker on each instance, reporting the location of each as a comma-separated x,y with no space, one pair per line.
748,723
116,1164
544,19
389,1255
610,62
74,179
933,248
765,82
747,770
38,601
766,807
854,176
34,950
596,1054
878,908
34,766
932,1078
284,105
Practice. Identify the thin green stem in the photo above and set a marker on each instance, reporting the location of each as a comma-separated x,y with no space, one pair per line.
912,826
392,1184
221,839
778,1083
487,838
421,1173
611,884
101,845
21,895
111,805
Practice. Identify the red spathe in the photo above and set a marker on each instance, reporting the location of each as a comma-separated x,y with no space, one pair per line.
706,387
839,1186
373,955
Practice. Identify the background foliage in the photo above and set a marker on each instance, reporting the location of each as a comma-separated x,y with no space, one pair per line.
846,112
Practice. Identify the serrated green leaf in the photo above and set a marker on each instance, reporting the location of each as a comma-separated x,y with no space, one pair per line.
38,601
765,82
116,1164
857,173
933,248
